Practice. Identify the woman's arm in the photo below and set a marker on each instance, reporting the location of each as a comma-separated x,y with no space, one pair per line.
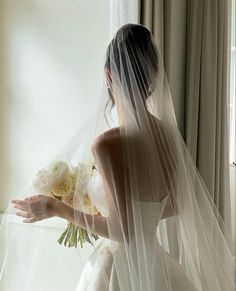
96,224
40,207
107,151
108,154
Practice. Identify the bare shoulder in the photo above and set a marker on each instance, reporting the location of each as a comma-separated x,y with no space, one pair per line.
108,141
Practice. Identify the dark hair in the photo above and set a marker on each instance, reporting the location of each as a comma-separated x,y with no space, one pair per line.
136,41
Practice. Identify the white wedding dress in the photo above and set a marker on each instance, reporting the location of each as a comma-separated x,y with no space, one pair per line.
99,273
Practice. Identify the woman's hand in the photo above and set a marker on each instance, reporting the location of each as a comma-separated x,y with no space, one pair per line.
36,208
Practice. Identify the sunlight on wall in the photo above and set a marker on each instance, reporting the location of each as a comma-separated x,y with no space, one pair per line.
51,58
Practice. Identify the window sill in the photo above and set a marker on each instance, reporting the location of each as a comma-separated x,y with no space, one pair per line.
54,222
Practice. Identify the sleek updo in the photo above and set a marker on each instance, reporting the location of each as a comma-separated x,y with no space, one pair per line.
132,47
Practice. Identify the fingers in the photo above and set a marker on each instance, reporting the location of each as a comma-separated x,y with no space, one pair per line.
35,219
31,198
17,201
21,205
24,204
30,218
24,214
34,208
35,197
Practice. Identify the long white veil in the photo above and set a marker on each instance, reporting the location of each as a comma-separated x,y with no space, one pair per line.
149,184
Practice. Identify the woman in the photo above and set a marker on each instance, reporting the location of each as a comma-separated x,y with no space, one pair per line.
150,184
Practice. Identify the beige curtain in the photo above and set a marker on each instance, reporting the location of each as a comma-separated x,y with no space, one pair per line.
193,36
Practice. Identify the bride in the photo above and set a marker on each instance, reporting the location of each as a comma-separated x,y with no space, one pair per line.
153,193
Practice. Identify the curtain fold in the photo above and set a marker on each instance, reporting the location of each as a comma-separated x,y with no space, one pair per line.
193,37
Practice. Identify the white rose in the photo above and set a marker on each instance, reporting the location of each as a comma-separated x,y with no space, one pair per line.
68,199
84,173
74,172
87,206
65,187
97,194
44,182
59,170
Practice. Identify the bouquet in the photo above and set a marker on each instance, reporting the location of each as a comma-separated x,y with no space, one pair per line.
67,184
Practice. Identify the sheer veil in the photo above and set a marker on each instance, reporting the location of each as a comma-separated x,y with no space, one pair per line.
149,183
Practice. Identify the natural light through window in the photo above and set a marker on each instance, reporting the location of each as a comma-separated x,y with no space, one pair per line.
50,58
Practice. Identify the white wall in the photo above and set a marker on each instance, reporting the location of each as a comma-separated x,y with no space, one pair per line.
51,66
51,57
